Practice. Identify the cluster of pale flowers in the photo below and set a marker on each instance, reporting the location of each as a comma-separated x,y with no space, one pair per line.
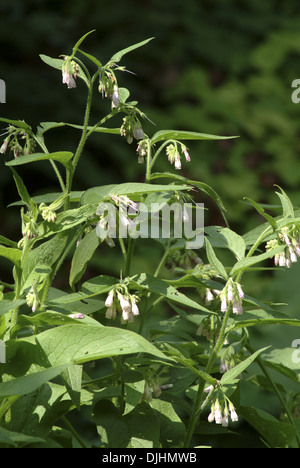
70,71
124,302
220,410
174,155
232,294
290,238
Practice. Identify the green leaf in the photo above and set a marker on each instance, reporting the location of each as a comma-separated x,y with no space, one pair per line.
18,124
61,156
72,378
80,41
118,56
82,256
247,262
6,305
126,431
52,62
23,192
172,429
162,288
78,344
185,135
50,198
8,242
29,383
134,389
224,237
16,439
262,212
232,373
98,194
67,220
263,317
14,255
200,185
45,126
287,206
277,434
214,261
91,58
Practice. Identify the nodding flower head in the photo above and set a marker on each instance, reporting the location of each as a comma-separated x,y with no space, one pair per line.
289,237
132,128
69,72
232,294
118,299
174,155
220,410
142,151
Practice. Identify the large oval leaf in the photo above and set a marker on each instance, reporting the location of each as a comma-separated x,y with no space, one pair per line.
61,156
78,344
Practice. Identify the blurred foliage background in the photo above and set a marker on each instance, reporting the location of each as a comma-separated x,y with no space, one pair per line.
216,66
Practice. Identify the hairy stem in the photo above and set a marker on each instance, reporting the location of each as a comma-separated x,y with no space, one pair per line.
197,406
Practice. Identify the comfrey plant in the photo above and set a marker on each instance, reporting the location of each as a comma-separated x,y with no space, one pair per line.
152,359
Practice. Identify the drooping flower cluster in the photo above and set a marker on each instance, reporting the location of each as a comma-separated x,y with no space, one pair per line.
108,87
290,238
142,151
174,155
18,141
220,414
232,295
132,128
70,71
221,407
122,301
148,391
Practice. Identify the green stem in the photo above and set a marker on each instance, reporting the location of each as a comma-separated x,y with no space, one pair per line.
102,121
197,406
148,163
167,142
74,432
162,262
265,233
71,170
53,164
129,253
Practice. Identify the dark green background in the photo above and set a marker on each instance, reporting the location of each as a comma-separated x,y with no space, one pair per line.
222,67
